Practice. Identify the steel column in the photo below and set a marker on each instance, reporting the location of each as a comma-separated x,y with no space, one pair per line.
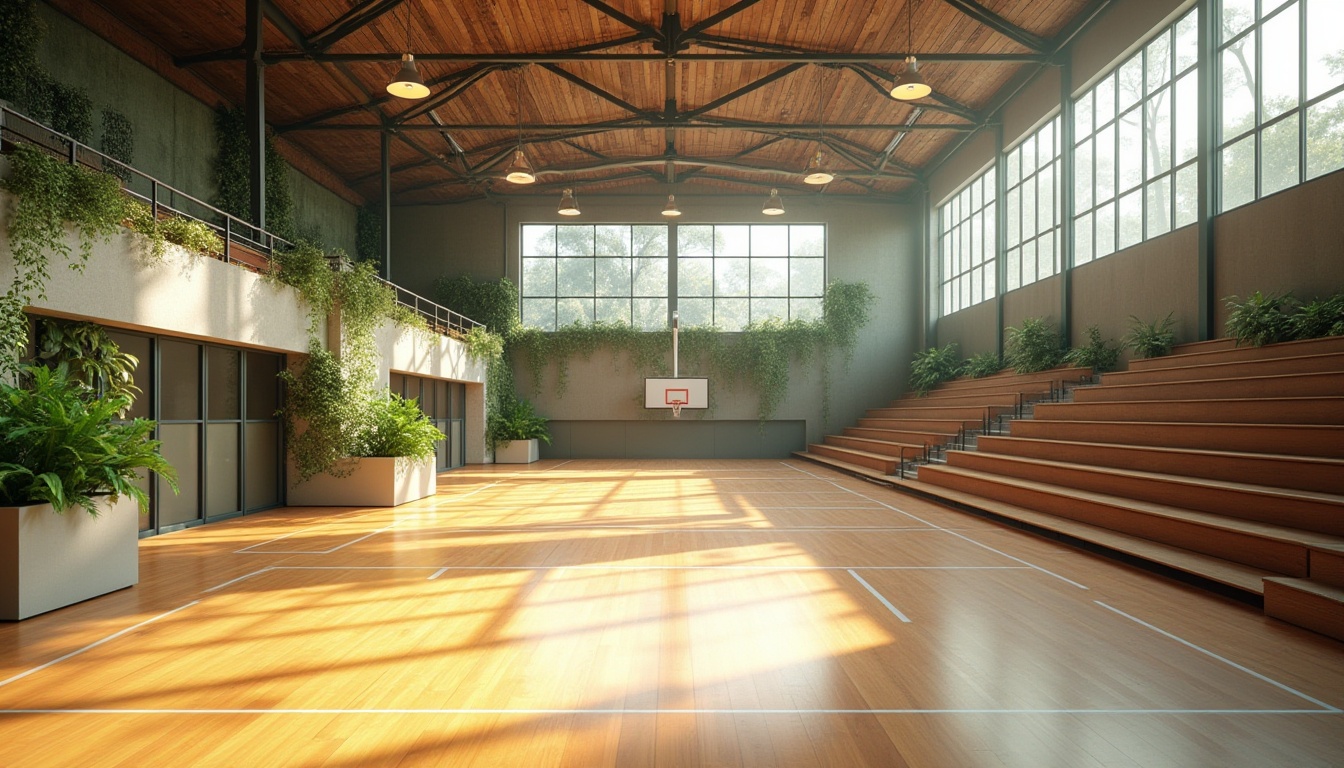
256,112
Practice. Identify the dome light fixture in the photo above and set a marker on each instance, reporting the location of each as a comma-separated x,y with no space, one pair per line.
520,170
816,171
774,206
910,85
671,210
408,84
568,205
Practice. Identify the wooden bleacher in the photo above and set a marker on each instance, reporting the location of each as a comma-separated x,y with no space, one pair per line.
1218,464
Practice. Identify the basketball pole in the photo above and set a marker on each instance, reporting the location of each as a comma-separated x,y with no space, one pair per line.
675,323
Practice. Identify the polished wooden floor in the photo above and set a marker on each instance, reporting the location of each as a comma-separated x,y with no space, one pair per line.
668,613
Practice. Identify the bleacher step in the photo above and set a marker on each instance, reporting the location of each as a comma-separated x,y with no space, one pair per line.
846,467
1306,603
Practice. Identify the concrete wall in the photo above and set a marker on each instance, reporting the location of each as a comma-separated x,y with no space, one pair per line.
875,243
418,353
174,132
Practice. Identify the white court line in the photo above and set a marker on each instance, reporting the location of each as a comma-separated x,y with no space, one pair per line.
771,568
93,645
318,551
941,528
325,521
1229,662
240,578
879,596
438,573
557,466
612,711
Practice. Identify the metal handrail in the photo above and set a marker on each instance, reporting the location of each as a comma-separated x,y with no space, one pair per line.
161,197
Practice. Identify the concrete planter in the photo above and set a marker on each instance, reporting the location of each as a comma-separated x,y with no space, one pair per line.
49,560
517,452
375,482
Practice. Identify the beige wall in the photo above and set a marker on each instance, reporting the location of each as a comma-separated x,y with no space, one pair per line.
972,329
439,357
1147,281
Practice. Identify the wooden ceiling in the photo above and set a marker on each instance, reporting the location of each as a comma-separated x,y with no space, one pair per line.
725,95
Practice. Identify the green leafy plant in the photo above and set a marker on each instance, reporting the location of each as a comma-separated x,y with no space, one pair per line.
395,426
1099,354
89,356
72,112
1319,317
233,175
50,193
22,32
369,232
516,420
933,366
195,236
492,302
322,416
1260,319
117,142
982,365
59,446
1153,339
482,345
1034,346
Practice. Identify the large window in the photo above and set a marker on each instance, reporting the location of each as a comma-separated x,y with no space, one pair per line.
967,244
1281,95
583,273
1136,136
727,276
1032,208
731,275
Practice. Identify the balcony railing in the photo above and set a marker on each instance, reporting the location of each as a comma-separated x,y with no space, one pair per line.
245,245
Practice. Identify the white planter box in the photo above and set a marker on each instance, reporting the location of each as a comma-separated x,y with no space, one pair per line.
49,560
375,482
517,452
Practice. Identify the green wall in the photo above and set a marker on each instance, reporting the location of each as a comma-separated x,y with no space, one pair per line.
174,132
867,241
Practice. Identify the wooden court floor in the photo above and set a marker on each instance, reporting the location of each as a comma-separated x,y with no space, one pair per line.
656,613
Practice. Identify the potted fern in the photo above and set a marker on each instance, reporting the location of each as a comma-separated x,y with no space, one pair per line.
514,432
68,491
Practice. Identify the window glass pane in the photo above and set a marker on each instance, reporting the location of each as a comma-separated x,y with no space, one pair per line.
1105,100
648,241
1130,76
574,240
1082,117
140,348
1131,150
182,449
730,314
974,231
769,277
221,470
1159,207
538,277
1013,167
570,311
1325,136
1187,117
1029,155
1238,173
650,314
695,277
1082,175
1237,15
732,241
694,240
1014,257
731,277
612,240
539,313
1278,156
1238,87
613,277
262,401
179,380
769,240
1158,132
224,382
263,461
1029,207
1082,239
1187,41
1279,65
1105,226
1046,148
807,240
1046,256
574,277
1013,206
1045,199
651,277
1105,165
1029,263
805,309
1158,55
976,186
695,312
538,240
1325,47
1131,218
613,311
806,277
769,309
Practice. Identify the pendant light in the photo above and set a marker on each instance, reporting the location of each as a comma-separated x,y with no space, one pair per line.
568,205
408,84
816,170
910,85
520,170
671,210
773,206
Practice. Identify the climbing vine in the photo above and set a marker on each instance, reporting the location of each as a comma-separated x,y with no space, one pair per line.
233,175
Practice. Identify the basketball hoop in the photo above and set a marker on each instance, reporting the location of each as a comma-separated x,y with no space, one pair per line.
676,410
676,398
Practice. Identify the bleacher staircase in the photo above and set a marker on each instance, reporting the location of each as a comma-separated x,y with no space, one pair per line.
1221,465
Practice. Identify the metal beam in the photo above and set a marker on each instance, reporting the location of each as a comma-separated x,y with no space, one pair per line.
462,81
710,21
350,22
633,124
743,91
1001,25
632,23
560,57
1207,199
385,167
256,112
596,91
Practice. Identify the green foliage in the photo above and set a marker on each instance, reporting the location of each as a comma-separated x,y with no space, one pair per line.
933,366
1153,339
492,302
306,269
1319,317
516,420
1099,354
71,112
50,193
322,416
195,236
22,31
1260,319
847,308
59,446
369,233
982,365
118,142
396,427
89,356
1035,346
233,174
482,345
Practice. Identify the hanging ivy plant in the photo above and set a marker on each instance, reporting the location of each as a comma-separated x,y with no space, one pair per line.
492,302
22,31
117,142
233,185
369,233
72,112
